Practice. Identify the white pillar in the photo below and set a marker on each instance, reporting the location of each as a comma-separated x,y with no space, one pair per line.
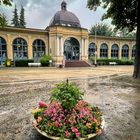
82,48
57,46
86,48
62,46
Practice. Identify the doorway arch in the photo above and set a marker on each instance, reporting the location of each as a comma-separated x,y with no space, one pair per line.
71,49
3,50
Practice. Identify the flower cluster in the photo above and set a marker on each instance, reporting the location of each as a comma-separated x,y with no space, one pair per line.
56,121
72,123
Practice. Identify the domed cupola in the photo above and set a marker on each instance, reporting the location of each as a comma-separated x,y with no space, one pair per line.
64,6
65,18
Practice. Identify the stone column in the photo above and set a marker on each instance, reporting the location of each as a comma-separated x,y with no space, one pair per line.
30,48
57,46
130,52
120,51
86,48
82,48
62,47
98,49
109,50
9,47
50,49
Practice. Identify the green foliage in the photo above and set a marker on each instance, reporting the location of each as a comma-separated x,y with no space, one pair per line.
22,23
6,2
67,115
3,20
102,30
126,62
92,59
125,33
67,94
45,60
23,62
15,19
106,61
123,13
8,63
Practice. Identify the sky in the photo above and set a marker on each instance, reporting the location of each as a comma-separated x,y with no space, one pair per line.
38,13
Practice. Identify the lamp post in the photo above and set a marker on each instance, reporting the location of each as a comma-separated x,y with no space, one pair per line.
95,60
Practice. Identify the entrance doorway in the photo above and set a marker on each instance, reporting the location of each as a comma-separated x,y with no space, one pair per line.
71,49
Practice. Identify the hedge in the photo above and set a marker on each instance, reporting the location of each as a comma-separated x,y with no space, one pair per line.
23,62
106,61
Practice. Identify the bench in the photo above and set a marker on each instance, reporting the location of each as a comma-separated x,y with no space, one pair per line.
34,64
112,63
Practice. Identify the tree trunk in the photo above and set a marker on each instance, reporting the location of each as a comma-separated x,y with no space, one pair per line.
136,73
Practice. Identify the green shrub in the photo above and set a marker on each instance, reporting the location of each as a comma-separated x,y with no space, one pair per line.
105,61
45,60
92,59
8,63
126,62
67,94
23,62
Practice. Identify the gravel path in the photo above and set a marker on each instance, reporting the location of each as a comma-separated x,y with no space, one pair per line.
117,96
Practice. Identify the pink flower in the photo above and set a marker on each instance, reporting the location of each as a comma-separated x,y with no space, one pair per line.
49,124
81,116
77,134
94,119
67,134
35,124
74,129
39,119
88,125
42,104
56,124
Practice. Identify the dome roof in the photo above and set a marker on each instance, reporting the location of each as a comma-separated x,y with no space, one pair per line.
65,17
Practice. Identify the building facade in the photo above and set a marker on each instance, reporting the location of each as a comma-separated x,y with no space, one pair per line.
63,39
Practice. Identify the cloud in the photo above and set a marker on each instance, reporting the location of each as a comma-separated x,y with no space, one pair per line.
38,13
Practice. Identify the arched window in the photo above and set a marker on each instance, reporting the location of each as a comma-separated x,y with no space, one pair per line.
125,51
133,51
114,51
92,49
38,49
3,50
104,51
20,50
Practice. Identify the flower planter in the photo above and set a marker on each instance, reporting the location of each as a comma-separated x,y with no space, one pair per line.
67,115
58,138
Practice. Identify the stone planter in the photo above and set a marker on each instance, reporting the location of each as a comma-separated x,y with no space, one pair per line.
58,138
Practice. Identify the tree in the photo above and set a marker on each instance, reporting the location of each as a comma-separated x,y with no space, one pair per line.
101,30
22,23
125,33
3,20
124,13
15,20
6,2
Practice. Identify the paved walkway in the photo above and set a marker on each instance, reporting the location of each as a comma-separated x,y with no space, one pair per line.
19,74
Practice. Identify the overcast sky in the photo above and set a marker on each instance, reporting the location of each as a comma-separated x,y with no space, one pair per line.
38,13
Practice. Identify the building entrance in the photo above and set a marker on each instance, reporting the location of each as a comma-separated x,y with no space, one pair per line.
71,49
